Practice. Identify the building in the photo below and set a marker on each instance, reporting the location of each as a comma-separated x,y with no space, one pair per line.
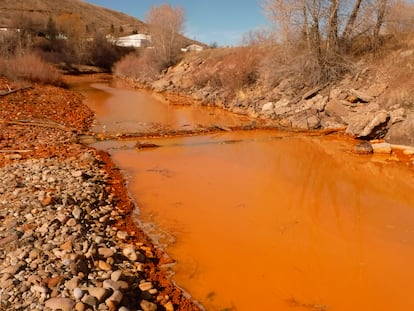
137,40
193,48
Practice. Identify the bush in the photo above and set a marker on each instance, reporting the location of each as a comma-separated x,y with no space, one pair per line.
303,68
30,68
145,67
230,69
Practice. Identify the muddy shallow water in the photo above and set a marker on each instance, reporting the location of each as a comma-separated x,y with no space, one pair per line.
267,220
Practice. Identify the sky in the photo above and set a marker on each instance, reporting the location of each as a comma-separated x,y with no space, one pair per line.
209,21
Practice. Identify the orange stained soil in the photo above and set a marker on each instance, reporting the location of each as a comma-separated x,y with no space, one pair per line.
279,224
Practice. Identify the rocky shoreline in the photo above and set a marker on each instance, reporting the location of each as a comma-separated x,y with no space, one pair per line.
371,102
69,239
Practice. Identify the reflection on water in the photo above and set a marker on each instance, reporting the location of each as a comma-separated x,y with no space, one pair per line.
128,111
270,221
279,224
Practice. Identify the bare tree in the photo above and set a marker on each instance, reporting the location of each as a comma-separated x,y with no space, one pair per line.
166,26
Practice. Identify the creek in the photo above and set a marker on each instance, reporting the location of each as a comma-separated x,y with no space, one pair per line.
264,220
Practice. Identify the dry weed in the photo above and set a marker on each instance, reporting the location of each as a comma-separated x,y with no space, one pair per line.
30,68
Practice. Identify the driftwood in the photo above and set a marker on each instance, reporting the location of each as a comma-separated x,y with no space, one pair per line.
14,91
15,151
37,123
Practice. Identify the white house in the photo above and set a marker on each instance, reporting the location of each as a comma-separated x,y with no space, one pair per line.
193,48
137,40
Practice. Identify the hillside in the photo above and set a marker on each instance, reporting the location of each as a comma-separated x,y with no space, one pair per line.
13,12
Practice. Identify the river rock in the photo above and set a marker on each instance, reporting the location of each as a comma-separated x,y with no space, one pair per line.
59,303
148,306
403,132
78,293
98,292
145,286
105,252
364,147
368,125
89,300
383,148
129,252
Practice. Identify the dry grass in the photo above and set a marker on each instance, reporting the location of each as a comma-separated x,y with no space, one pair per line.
30,68
229,69
144,67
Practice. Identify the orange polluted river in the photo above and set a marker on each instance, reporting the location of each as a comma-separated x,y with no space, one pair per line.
267,220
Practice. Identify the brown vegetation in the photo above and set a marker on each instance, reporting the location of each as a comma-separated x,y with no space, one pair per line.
29,68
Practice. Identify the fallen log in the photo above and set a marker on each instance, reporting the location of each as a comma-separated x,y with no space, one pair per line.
14,91
15,151
36,123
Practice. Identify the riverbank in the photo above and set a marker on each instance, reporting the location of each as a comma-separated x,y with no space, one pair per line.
373,100
68,237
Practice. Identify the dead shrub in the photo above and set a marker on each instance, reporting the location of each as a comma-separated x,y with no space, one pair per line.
228,69
30,68
302,67
144,67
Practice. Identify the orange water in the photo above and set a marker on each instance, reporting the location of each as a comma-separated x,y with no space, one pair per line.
277,222
296,223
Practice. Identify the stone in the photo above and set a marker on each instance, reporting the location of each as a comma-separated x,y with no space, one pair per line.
122,235
148,306
103,265
129,252
402,132
8,239
105,252
383,148
77,173
78,293
71,222
76,212
98,292
109,284
268,108
73,283
145,286
116,297
54,281
361,96
397,115
80,306
282,106
67,246
116,275
89,300
59,303
363,148
169,306
39,289
369,125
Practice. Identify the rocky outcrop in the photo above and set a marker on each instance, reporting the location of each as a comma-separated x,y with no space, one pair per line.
402,132
360,103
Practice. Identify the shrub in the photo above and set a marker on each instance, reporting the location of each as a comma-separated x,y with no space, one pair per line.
30,68
144,67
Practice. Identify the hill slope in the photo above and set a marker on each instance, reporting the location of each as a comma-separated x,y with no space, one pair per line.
13,12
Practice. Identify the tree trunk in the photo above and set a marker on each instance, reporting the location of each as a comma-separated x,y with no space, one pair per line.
349,28
381,7
332,44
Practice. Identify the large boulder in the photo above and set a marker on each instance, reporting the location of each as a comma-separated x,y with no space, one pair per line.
402,133
369,125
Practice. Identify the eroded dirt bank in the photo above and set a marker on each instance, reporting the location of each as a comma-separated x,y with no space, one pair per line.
67,234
